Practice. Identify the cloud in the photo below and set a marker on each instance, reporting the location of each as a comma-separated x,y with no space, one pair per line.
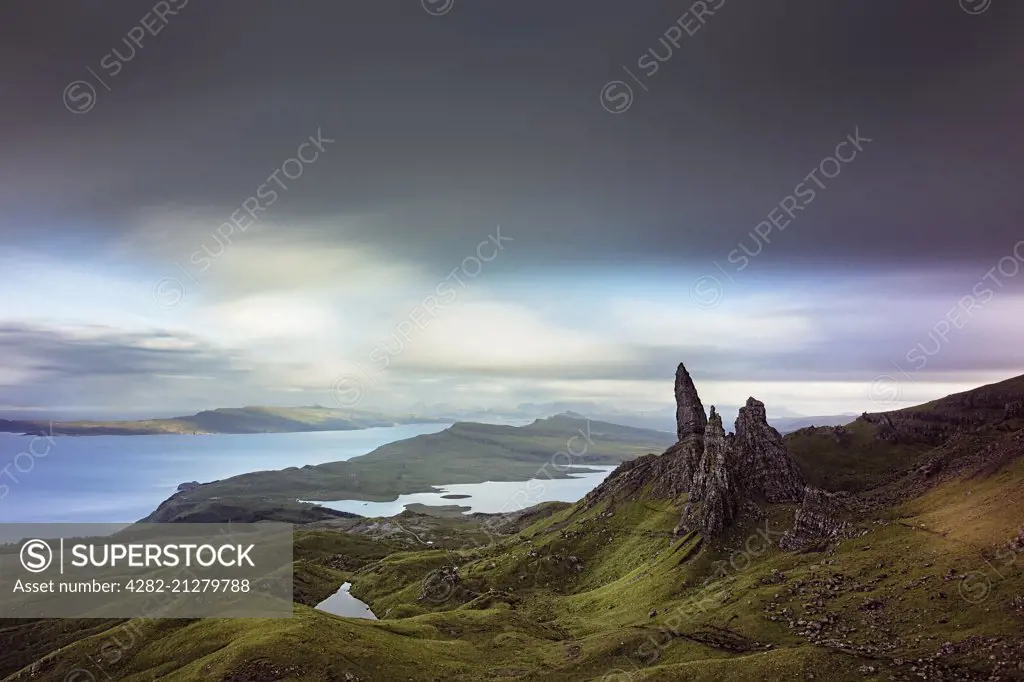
103,367
499,337
444,129
754,324
479,131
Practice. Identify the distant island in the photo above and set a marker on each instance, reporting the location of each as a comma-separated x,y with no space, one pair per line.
466,452
225,420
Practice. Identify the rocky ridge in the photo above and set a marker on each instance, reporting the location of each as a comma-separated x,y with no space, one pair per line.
936,422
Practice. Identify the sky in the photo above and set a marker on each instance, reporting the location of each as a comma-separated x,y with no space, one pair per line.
453,205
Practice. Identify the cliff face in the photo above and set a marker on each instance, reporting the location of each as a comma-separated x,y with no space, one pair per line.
665,476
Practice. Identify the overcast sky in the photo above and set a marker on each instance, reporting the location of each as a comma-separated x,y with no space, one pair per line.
507,202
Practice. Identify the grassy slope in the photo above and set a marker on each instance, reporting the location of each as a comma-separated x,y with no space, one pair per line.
855,465
632,566
865,462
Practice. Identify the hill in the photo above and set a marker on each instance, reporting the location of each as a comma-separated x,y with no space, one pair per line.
912,571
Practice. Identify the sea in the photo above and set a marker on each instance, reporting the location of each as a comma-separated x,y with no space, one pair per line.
121,479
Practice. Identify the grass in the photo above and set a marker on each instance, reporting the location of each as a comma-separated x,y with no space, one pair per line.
859,463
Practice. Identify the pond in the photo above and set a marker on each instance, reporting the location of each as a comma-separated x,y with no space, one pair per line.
342,603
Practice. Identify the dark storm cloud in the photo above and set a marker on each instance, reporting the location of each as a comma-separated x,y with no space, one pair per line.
490,114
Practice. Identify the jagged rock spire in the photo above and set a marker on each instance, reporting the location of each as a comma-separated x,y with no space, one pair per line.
671,474
714,488
763,466
752,466
724,475
690,417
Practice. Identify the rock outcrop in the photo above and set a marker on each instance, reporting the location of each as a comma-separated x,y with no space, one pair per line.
665,476
727,478
714,492
690,417
691,424
818,519
439,585
671,474
764,470
724,475
1017,544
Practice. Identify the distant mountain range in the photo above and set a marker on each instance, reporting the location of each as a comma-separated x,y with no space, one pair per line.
251,419
658,420
258,419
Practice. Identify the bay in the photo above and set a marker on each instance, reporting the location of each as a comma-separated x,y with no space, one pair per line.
489,497
121,479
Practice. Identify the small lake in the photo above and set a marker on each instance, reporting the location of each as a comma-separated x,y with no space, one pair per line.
342,603
490,497
120,479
